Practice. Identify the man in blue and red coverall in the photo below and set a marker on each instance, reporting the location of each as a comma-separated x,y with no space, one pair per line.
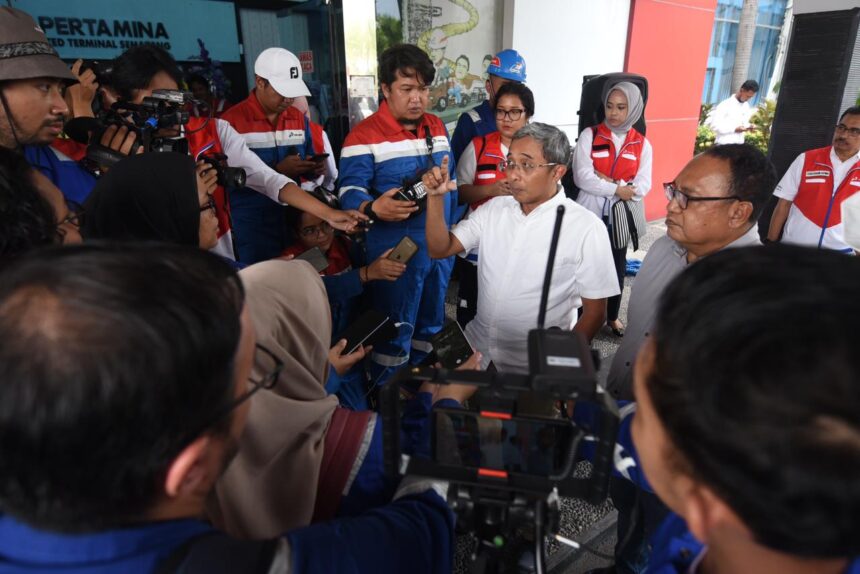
383,152
286,141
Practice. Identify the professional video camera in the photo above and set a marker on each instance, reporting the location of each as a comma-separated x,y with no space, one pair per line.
506,469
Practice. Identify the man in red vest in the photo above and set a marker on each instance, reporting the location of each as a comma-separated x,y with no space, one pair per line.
812,190
142,69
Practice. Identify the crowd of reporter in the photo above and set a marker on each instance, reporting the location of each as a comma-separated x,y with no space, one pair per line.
175,396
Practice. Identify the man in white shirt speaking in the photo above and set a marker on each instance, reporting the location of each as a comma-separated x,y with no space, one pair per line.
514,234
730,120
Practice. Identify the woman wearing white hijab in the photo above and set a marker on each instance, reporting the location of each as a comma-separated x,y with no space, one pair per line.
612,162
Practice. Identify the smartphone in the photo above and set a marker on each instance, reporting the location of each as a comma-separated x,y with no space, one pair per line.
404,250
371,328
526,445
451,346
319,157
315,257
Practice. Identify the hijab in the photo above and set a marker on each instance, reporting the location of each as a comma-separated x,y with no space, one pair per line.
151,196
270,486
635,106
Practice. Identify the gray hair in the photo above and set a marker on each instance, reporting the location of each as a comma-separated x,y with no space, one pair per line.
553,141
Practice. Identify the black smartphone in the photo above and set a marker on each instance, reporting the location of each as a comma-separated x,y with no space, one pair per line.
371,328
404,250
315,257
319,156
525,445
451,346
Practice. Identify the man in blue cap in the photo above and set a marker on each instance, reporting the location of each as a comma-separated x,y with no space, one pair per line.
506,66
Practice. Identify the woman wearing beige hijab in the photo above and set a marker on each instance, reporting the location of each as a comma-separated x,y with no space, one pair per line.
302,458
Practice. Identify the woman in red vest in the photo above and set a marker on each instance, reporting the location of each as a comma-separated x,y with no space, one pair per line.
612,162
480,179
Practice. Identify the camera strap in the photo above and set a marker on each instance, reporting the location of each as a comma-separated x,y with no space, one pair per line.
428,139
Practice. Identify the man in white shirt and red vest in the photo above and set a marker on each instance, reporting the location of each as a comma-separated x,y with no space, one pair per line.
730,119
514,234
813,189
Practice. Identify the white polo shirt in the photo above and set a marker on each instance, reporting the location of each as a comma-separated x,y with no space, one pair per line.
514,250
799,229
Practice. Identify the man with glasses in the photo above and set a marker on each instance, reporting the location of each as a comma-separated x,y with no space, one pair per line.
714,204
119,417
814,187
513,234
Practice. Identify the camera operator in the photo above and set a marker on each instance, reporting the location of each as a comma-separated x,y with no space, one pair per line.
142,69
118,418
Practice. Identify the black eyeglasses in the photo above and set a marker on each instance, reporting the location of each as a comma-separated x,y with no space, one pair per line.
75,217
265,362
210,204
682,198
513,114
853,132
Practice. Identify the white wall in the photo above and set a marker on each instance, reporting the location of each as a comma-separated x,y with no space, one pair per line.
806,6
562,41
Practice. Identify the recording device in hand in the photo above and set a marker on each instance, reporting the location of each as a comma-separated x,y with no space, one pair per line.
404,250
451,347
231,177
506,468
318,157
315,257
371,328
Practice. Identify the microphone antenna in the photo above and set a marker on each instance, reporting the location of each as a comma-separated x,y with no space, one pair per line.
553,246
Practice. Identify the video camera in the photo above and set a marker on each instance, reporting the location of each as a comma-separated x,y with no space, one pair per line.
506,468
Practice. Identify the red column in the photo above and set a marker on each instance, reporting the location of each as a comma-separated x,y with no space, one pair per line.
668,43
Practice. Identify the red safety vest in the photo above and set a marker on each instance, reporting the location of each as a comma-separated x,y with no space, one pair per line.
204,140
488,155
624,165
815,195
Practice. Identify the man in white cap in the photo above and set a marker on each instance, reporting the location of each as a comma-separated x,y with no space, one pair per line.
286,141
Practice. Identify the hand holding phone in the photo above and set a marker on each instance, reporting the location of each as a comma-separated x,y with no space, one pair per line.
404,250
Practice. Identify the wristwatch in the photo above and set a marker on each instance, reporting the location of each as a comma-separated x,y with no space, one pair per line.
368,210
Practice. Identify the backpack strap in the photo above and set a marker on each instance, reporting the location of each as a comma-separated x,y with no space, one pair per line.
217,553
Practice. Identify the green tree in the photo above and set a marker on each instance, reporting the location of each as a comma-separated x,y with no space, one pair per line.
389,31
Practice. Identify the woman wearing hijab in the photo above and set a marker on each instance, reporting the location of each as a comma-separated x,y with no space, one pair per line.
302,458
612,162
156,197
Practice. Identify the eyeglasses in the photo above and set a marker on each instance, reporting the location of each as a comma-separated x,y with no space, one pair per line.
526,167
210,204
75,217
265,362
323,228
682,198
513,114
843,129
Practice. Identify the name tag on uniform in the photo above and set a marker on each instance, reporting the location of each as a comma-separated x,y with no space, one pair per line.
854,182
817,180
493,176
818,173
604,153
629,156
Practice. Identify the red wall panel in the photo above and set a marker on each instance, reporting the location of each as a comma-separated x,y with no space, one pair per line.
668,43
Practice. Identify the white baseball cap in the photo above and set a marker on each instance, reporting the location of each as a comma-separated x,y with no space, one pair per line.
283,70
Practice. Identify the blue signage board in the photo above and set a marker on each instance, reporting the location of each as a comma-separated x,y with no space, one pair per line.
103,29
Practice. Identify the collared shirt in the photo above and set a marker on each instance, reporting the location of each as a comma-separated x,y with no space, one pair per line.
595,194
665,260
479,121
799,229
514,248
272,143
729,114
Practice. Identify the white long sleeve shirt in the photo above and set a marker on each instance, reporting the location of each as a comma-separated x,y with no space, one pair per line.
598,195
729,115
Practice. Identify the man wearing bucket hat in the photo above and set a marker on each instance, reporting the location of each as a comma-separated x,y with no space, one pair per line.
286,141
506,66
32,81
